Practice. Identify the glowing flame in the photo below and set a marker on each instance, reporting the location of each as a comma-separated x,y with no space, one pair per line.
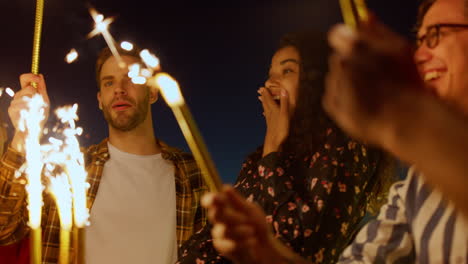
126,45
141,75
139,80
101,27
71,56
149,59
1,91
59,187
66,155
169,89
134,70
30,122
10,92
60,190
146,73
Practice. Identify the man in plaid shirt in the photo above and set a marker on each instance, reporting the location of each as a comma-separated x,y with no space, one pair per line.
148,202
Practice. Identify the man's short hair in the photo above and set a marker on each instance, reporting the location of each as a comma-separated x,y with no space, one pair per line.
425,6
105,54
422,11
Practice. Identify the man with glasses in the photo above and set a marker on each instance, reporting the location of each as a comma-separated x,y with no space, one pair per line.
416,109
424,121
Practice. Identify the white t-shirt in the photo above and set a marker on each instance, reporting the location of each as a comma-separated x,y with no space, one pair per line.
133,219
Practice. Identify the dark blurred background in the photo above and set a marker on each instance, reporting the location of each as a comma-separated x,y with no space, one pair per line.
218,51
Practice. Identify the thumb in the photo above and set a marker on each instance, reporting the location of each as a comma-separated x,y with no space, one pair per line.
284,103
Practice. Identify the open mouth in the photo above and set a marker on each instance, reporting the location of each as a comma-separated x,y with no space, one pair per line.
432,76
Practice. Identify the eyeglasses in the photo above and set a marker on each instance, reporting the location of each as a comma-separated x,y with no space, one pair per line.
432,36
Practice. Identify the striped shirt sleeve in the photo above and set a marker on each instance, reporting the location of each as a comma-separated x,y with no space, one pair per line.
13,217
388,238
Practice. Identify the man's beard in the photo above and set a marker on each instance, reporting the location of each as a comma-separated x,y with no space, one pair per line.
127,121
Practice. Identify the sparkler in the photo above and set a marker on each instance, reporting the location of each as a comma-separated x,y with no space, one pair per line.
354,11
101,27
171,92
30,122
34,176
60,189
172,95
77,176
66,155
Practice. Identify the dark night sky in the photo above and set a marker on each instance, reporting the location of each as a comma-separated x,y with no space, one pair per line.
219,52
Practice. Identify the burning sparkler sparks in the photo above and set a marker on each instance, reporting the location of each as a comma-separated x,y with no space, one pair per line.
126,45
60,189
64,157
101,27
7,90
30,123
170,91
71,56
63,164
149,59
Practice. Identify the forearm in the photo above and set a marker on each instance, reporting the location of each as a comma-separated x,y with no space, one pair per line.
435,139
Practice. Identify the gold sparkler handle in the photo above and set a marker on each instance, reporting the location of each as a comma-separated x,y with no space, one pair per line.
79,244
37,37
347,12
354,12
36,245
200,152
362,10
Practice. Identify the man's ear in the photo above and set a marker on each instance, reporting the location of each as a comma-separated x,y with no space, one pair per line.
154,94
99,100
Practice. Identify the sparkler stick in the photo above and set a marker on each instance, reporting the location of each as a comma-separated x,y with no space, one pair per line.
362,10
37,38
172,95
78,243
34,183
354,11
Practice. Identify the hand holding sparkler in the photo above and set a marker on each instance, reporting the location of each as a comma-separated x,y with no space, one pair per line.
19,104
370,71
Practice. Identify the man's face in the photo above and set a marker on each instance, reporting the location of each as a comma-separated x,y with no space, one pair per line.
125,105
445,67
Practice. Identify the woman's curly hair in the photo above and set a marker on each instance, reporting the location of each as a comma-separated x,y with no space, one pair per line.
309,121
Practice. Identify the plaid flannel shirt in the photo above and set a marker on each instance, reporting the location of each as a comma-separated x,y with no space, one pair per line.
13,208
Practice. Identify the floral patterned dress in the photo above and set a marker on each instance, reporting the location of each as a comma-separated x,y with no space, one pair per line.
314,202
